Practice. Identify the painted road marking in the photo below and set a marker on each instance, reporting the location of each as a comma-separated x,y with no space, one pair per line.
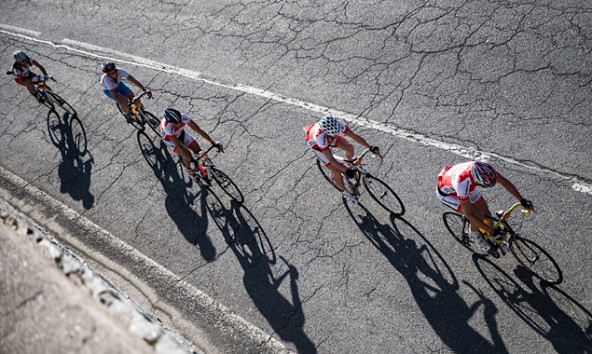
467,152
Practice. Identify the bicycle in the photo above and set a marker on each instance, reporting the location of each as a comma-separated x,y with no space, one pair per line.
206,171
527,252
49,98
381,192
138,116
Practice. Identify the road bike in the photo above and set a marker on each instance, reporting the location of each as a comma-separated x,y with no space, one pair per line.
206,172
381,192
527,252
50,99
139,116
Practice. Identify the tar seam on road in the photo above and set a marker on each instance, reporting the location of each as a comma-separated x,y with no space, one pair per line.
467,152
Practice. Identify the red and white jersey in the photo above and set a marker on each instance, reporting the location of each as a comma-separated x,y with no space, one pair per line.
168,130
457,180
20,70
317,140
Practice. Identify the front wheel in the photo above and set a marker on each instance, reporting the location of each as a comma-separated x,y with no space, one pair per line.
227,185
458,228
534,258
62,103
384,195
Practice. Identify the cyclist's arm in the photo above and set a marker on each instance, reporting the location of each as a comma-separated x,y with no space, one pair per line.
509,186
36,63
358,139
201,132
469,210
136,82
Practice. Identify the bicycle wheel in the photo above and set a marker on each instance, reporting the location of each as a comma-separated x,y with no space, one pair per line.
326,173
48,101
458,228
62,103
384,195
78,135
534,258
227,184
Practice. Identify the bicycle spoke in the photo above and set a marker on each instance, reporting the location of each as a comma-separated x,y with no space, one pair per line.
458,228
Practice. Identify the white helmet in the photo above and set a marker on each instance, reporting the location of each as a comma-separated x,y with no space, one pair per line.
331,126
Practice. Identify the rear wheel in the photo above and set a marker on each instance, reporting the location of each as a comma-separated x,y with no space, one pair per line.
227,184
458,228
384,195
534,258
151,120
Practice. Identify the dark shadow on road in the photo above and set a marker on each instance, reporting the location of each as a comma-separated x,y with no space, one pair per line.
534,303
253,250
179,200
68,135
432,283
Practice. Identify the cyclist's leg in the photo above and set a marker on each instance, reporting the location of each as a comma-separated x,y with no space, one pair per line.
337,177
126,92
347,147
29,85
450,201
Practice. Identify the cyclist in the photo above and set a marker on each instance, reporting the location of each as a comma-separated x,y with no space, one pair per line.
114,87
331,132
172,129
457,188
24,76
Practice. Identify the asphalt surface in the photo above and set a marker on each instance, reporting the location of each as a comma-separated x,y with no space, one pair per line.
431,83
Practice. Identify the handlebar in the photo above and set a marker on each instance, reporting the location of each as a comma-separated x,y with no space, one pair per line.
204,153
358,159
136,98
36,83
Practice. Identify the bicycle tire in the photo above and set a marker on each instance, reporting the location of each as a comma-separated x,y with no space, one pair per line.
528,253
457,226
62,103
326,174
227,185
48,101
379,191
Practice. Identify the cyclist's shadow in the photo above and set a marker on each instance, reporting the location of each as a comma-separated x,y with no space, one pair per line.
179,200
535,306
68,135
432,283
252,248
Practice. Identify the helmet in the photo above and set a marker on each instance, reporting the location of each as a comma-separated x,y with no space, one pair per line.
483,174
19,55
108,67
331,125
172,115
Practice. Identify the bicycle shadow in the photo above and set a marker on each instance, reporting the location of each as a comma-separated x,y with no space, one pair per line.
178,201
432,283
248,241
535,306
68,135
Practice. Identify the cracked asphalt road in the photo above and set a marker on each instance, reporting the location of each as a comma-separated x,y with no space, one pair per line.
503,77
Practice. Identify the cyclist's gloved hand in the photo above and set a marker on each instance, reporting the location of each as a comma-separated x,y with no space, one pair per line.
192,165
218,145
527,204
375,150
350,173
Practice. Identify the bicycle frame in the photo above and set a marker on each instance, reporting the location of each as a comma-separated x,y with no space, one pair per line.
359,167
501,223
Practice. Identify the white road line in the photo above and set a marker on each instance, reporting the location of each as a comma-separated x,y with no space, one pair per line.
467,152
